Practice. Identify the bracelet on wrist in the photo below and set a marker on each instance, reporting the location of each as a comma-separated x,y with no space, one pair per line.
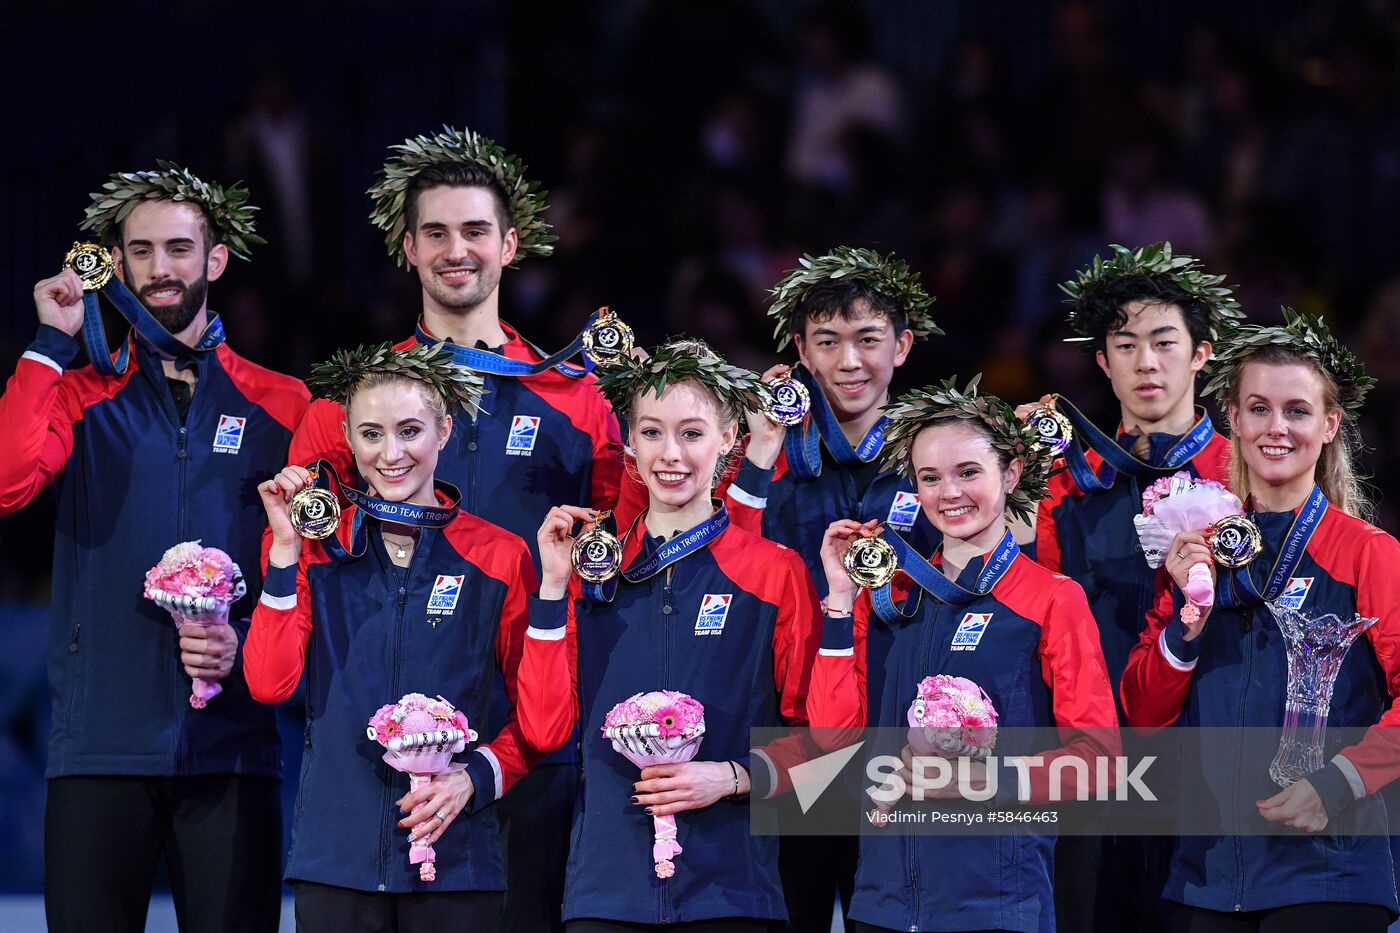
836,611
734,769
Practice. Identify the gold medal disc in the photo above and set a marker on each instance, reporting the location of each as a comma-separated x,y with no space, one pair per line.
786,402
315,513
93,264
870,562
1234,541
597,555
1052,429
607,339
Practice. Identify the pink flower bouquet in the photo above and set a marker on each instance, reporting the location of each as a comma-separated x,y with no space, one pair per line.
196,584
952,717
1178,503
656,728
420,735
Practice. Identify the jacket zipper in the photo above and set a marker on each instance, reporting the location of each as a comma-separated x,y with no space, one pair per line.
389,824
182,455
473,458
1235,778
667,610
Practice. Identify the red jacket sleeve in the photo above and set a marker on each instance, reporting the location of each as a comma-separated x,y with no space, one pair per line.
1072,664
796,637
1047,535
274,654
605,481
838,697
745,491
321,436
511,755
1158,675
548,681
37,412
1376,758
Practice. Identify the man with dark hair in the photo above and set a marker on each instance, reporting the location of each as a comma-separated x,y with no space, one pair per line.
1150,318
457,209
853,315
164,451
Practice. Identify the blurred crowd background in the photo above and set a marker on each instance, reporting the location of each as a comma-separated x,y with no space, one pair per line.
693,151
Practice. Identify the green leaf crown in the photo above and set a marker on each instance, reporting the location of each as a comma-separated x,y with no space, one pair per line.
679,360
921,408
1308,336
228,209
431,364
1153,260
526,200
884,273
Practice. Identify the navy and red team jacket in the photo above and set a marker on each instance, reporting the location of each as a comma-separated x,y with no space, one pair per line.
541,441
133,481
367,632
1235,674
796,512
1031,644
1090,538
733,625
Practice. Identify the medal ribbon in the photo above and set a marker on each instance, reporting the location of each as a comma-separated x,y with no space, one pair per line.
497,365
1116,459
1295,545
803,447
140,319
402,513
645,566
929,578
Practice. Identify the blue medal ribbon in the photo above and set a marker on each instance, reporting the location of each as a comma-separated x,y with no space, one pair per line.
485,361
400,513
929,578
139,317
1242,592
803,446
1116,459
645,566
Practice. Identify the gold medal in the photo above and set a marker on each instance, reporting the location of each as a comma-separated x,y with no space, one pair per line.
607,339
597,554
315,513
1234,541
1052,429
92,263
786,402
870,562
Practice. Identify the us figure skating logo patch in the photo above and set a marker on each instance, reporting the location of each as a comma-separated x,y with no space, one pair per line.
970,631
524,429
228,437
443,599
1295,592
903,511
714,609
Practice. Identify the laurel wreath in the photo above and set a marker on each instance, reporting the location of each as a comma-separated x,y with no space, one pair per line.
227,208
680,360
1303,334
884,273
526,200
1156,259
433,365
912,412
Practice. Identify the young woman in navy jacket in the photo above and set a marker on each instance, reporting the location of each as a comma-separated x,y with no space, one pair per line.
978,609
410,594
1292,394
702,607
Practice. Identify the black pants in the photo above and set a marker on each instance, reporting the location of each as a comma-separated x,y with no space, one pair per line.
1105,884
1297,918
323,908
536,818
855,926
815,871
220,835
718,925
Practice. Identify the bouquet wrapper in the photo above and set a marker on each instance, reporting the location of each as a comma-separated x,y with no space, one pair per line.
420,735
199,610
951,717
1188,506
644,746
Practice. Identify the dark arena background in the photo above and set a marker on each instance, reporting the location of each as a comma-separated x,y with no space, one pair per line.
693,151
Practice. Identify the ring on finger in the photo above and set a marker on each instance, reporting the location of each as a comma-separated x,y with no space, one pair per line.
442,815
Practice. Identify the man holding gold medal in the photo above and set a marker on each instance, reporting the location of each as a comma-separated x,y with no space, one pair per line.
1150,317
457,209
156,444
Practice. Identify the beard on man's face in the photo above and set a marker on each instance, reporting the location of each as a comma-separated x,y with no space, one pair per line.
178,316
